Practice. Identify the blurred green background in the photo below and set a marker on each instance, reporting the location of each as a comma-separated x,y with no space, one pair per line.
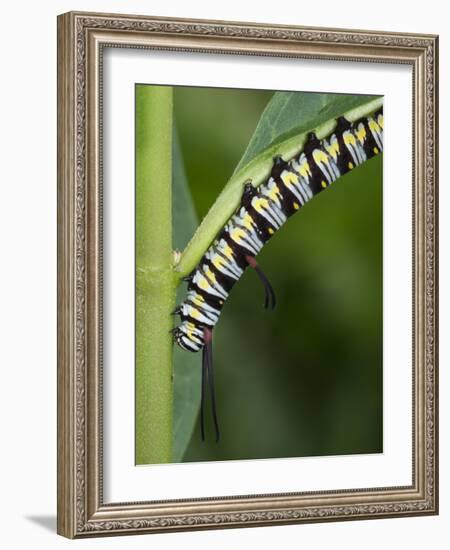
306,378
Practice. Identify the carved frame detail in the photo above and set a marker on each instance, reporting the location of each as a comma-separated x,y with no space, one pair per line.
81,37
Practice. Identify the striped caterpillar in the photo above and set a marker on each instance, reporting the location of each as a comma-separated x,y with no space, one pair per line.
263,210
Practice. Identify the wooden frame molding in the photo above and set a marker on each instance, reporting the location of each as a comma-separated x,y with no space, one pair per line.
81,37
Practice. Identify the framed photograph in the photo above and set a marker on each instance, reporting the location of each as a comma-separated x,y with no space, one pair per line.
247,274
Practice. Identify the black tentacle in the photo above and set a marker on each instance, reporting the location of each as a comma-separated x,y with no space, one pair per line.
202,401
208,380
269,293
209,366
268,289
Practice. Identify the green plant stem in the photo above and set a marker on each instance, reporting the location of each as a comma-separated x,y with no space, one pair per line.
155,282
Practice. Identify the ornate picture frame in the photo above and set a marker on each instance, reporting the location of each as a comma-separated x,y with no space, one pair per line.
82,37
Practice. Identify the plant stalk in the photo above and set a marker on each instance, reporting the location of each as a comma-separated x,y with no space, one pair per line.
155,281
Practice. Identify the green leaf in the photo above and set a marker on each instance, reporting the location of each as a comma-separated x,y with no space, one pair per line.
291,113
186,365
282,130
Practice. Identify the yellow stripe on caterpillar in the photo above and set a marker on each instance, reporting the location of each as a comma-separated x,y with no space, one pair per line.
248,221
374,126
380,121
274,193
228,251
237,234
203,283
349,138
194,313
320,156
218,261
289,178
333,149
361,134
260,204
198,300
211,276
304,169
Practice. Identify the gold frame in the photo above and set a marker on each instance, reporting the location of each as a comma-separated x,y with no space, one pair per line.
81,37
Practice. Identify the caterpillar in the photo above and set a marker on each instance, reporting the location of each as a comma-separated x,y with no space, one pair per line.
262,211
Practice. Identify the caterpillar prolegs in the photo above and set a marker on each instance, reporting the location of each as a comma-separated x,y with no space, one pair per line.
263,210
